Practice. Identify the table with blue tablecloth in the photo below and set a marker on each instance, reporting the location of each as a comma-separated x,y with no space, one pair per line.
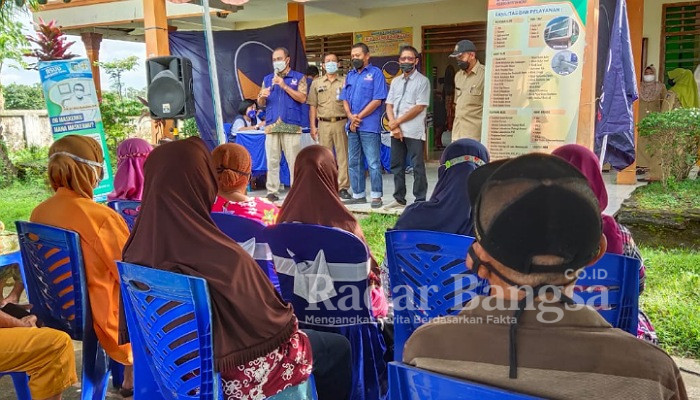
254,142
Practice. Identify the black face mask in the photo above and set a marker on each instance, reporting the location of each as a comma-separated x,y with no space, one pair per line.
358,63
406,67
462,64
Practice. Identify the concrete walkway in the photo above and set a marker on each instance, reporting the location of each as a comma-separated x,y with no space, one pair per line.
616,193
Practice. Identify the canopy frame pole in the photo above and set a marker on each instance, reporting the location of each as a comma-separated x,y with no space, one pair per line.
213,73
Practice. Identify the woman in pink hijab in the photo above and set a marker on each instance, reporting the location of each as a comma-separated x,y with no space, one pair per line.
128,181
619,237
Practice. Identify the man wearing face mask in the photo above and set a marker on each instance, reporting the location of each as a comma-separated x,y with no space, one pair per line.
409,96
469,92
327,118
364,91
284,93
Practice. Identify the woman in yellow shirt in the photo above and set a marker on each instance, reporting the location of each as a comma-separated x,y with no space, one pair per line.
75,169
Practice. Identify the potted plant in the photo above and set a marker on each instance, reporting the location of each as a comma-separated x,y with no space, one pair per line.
51,41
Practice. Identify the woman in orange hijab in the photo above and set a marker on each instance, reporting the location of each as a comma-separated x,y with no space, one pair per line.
233,168
75,169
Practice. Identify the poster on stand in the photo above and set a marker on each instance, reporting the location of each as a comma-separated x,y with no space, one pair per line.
73,108
534,69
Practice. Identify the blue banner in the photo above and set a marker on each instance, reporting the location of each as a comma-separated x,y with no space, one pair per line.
243,58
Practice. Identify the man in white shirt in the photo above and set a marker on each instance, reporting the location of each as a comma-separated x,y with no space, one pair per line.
406,104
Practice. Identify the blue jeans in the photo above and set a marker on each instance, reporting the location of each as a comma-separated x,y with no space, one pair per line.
366,143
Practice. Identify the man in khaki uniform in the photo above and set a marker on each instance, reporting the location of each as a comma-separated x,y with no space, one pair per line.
469,92
327,109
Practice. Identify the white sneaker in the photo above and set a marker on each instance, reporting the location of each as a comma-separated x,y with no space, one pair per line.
394,205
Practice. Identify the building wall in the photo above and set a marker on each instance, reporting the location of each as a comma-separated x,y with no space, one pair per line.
442,13
24,128
652,27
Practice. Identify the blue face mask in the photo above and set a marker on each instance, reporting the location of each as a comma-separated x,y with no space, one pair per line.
253,116
331,67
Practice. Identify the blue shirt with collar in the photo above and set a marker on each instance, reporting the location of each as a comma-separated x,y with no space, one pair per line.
360,89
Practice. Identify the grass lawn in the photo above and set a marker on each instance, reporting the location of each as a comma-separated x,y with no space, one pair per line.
680,196
671,298
19,199
374,226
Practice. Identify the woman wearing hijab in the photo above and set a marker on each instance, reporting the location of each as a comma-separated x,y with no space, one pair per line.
448,209
684,87
651,95
313,199
618,236
257,346
233,166
75,169
128,181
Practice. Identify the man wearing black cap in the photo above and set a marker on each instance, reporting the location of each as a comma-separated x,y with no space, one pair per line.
469,92
537,226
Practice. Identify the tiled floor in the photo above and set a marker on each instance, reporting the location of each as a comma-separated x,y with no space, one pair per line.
616,193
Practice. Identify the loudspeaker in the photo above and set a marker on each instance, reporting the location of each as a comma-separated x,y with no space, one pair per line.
170,87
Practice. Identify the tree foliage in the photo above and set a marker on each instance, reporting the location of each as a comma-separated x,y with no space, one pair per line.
10,8
24,97
116,68
116,112
13,44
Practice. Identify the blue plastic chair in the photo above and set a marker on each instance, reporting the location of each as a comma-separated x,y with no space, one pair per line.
410,383
128,209
294,246
11,258
611,286
241,230
21,383
19,379
53,274
422,259
169,319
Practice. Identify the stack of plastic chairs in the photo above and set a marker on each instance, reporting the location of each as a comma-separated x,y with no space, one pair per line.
170,326
249,234
53,274
422,260
128,209
611,286
430,279
323,272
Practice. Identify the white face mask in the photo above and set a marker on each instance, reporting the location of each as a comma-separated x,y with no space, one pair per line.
331,67
92,164
279,66
649,78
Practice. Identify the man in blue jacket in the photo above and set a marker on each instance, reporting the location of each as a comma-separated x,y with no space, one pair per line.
283,93
363,94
